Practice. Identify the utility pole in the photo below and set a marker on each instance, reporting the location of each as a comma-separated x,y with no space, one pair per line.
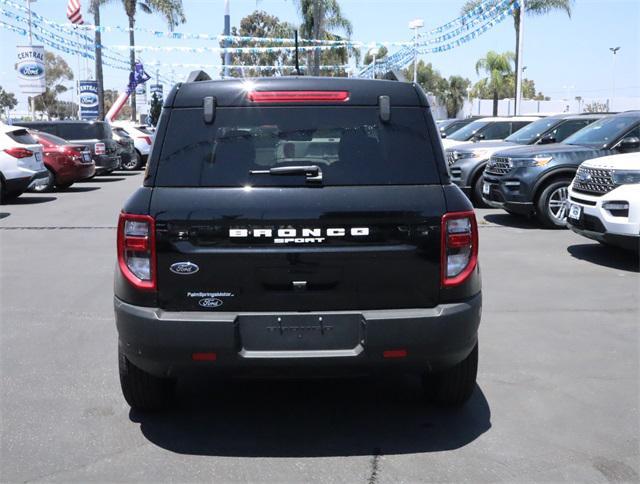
227,42
415,24
32,99
519,70
614,51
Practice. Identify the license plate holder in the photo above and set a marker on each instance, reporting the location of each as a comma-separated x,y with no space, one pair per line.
38,157
86,157
486,188
300,332
575,212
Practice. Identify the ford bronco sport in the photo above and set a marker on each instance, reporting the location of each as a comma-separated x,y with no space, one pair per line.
294,225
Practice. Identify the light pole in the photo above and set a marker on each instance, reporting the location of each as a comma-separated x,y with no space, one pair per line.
415,24
614,51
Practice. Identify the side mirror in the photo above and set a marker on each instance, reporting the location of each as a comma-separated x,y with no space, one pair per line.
547,139
478,137
629,143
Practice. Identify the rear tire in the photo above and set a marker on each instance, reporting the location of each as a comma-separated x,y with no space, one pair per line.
477,193
134,163
551,206
453,387
141,390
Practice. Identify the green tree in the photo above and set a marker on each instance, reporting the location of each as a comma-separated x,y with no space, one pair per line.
155,109
320,20
380,54
498,68
428,77
454,94
170,10
261,24
8,101
533,7
57,74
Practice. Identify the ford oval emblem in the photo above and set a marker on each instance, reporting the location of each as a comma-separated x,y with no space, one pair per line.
210,302
184,268
31,70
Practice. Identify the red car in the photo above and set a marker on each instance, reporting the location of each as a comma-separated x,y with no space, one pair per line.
67,163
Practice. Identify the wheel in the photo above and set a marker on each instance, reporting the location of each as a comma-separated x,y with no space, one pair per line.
46,187
453,387
551,206
141,390
134,163
476,197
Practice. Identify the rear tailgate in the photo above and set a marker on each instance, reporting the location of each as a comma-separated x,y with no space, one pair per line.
298,249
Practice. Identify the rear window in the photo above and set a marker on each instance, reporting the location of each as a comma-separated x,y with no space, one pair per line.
83,131
52,139
22,136
350,145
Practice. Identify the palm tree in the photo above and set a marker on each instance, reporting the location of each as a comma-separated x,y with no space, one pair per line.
498,69
172,12
453,96
533,7
319,19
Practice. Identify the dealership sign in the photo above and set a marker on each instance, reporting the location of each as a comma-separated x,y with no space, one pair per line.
88,99
157,90
30,67
141,98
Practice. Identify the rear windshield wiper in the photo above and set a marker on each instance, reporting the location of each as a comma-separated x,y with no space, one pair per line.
311,172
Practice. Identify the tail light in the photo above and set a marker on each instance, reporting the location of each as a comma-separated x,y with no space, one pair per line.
100,148
297,96
459,247
146,138
137,250
19,152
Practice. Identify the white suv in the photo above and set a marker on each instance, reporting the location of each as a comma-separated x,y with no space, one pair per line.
143,136
604,200
21,162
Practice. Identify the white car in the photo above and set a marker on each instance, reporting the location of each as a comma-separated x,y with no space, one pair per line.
487,129
143,136
604,200
21,162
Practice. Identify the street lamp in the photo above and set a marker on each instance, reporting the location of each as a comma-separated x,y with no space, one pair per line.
415,24
373,53
614,51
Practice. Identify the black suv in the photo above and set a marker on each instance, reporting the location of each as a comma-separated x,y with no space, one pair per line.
467,161
292,225
535,179
96,135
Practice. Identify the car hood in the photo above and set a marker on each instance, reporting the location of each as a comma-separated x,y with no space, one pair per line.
581,152
485,145
628,161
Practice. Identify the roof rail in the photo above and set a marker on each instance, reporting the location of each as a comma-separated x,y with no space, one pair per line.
197,76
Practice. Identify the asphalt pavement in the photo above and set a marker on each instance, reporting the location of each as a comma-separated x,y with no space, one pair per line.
557,396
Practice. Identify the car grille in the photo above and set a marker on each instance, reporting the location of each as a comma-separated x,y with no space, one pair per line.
595,181
498,166
451,158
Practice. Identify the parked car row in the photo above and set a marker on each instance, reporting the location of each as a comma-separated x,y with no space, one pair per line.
49,155
539,171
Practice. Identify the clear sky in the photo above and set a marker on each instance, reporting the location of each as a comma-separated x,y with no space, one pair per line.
564,56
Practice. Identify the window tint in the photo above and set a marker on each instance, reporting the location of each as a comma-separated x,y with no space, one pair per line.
498,130
569,127
83,131
349,144
22,136
453,127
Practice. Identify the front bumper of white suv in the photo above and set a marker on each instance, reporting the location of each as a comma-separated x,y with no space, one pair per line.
611,218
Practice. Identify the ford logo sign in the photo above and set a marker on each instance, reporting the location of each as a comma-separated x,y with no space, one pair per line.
184,268
210,302
88,100
31,70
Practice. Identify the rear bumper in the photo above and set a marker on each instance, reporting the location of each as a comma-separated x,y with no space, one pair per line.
162,342
629,242
74,173
106,163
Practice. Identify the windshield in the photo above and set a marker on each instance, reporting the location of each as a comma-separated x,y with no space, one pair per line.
465,133
351,146
454,126
531,132
603,132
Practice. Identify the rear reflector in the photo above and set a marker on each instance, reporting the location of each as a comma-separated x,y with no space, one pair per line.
137,250
204,356
297,96
459,247
394,354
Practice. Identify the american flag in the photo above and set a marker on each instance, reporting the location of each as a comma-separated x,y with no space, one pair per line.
74,13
